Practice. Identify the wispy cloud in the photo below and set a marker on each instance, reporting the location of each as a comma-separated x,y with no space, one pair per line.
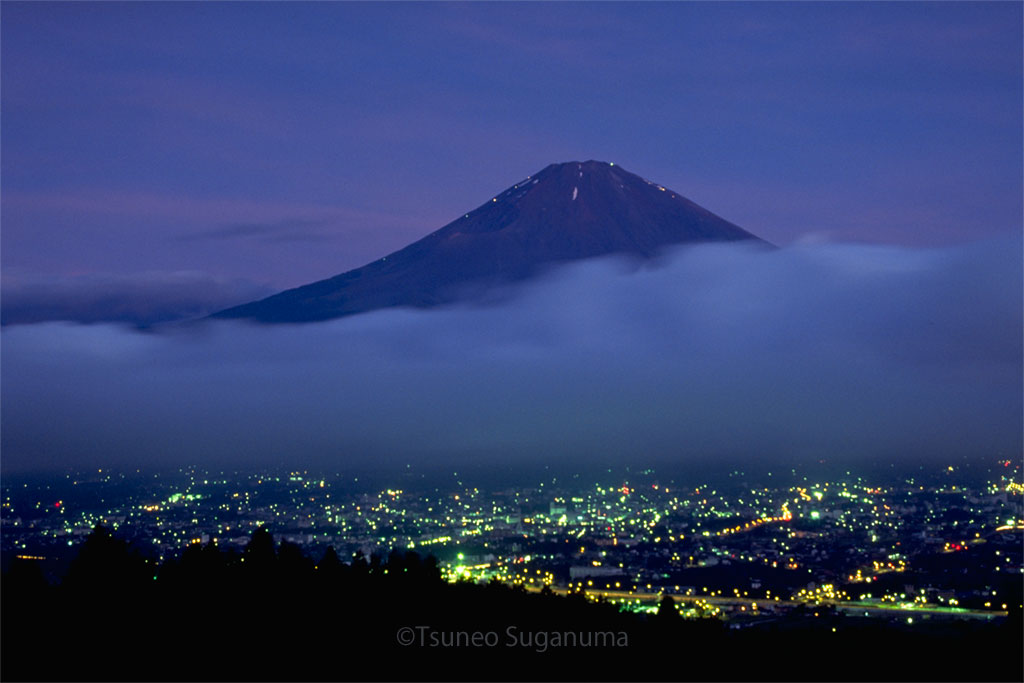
288,230
142,204
232,218
138,299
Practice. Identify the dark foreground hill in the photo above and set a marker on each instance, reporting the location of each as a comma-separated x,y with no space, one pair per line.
566,212
270,613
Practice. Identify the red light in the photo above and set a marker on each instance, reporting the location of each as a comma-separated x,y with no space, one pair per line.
57,504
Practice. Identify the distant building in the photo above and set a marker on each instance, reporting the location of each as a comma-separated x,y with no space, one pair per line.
585,571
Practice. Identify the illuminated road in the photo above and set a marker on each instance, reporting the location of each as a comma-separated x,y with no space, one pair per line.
852,608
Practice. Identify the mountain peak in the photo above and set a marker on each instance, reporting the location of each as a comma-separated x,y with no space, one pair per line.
590,164
565,212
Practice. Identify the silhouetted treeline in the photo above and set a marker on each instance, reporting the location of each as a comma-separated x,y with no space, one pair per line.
272,613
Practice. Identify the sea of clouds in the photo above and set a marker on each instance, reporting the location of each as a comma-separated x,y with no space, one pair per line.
813,351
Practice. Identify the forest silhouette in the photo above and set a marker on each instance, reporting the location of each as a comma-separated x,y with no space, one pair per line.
270,612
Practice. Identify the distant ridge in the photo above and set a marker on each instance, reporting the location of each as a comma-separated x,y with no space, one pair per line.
566,212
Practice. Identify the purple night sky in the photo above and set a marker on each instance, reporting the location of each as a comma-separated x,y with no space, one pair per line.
258,146
166,160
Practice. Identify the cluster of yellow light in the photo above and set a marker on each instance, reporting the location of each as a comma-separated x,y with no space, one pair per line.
475,572
786,516
826,592
881,567
528,579
439,539
706,608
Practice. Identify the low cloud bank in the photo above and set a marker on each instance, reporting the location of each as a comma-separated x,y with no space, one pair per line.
141,299
819,351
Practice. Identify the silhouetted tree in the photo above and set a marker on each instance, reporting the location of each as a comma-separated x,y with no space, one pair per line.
431,573
376,565
330,574
397,562
260,549
667,611
359,565
292,563
329,563
105,563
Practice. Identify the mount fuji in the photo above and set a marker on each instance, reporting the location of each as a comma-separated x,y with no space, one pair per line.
566,212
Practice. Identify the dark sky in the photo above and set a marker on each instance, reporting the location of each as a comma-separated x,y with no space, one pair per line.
249,147
163,160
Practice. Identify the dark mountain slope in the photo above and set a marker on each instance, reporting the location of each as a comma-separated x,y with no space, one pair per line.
567,212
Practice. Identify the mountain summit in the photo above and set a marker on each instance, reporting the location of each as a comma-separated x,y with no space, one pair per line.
566,212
